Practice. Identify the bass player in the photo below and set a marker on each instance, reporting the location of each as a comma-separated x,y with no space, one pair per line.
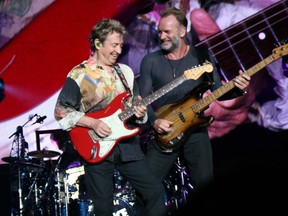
160,67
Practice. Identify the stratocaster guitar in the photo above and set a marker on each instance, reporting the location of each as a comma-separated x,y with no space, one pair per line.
93,148
185,114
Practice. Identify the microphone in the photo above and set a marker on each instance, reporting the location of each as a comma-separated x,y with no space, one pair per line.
30,117
40,119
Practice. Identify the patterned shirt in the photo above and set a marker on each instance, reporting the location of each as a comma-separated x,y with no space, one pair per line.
89,88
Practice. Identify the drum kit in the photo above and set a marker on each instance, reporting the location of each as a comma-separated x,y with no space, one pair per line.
177,186
41,185
79,204
31,193
39,188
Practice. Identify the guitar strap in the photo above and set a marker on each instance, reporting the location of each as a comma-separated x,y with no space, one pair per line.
122,77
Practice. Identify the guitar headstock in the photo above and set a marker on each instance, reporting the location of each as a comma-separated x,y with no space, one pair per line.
196,72
280,51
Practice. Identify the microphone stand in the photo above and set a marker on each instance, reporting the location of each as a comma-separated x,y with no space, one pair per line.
21,153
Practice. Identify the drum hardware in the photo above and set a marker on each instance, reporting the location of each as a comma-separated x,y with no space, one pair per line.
28,198
79,204
26,162
35,187
43,154
39,197
54,194
10,159
124,196
120,184
54,185
185,184
33,165
72,182
122,207
76,202
79,207
19,152
177,186
61,198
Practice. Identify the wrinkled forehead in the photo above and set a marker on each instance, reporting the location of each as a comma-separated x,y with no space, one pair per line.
114,37
168,23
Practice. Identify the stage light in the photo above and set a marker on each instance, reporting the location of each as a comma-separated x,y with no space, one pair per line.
2,90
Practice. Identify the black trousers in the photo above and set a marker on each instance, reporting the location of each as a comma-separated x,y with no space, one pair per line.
196,152
99,183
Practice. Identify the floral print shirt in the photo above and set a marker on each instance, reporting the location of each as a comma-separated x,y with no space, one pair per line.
89,88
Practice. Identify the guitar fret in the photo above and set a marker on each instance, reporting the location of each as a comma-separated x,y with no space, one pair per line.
150,99
254,37
231,29
253,43
203,103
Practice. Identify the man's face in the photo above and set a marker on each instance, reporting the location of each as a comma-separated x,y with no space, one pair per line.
169,33
111,48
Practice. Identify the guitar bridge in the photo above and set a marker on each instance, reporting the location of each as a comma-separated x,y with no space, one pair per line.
176,139
173,144
95,138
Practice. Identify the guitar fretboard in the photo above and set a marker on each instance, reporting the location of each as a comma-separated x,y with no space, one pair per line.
243,44
203,103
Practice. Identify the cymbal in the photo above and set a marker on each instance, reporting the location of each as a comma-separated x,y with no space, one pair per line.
20,161
10,159
43,154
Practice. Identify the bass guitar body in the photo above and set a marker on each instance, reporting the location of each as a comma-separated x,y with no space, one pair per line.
184,119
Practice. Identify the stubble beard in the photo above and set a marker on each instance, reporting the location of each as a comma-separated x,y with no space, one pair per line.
171,46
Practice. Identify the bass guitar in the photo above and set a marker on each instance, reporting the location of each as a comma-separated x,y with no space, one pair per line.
185,115
93,148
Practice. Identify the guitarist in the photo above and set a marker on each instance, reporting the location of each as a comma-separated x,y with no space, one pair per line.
90,87
159,68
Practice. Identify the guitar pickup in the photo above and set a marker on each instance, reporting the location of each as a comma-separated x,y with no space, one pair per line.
181,116
95,138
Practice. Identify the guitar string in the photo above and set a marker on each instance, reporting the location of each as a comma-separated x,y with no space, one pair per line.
253,26
234,44
243,31
186,112
175,117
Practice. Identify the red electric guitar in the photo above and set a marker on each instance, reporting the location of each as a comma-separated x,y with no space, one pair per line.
93,148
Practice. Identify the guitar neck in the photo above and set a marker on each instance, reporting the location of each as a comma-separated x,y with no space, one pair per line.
162,91
129,112
231,46
203,103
